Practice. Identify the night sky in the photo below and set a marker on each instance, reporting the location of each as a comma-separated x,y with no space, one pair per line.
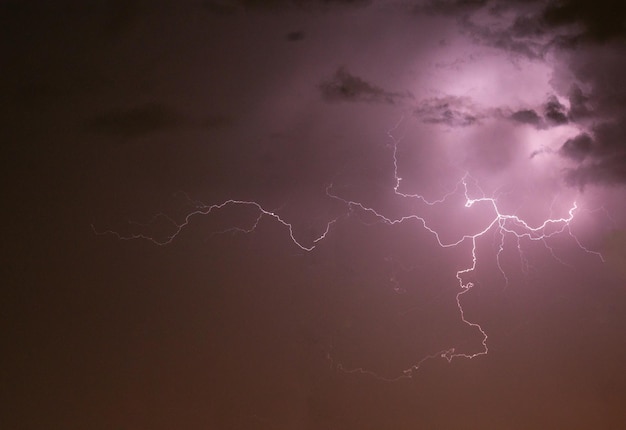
313,214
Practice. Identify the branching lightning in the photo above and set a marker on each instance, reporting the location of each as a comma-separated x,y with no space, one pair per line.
503,224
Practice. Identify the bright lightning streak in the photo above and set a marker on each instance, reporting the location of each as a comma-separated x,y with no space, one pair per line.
502,223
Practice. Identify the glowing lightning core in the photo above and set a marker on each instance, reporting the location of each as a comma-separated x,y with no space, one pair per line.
504,224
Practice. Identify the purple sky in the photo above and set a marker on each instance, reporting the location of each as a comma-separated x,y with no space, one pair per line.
130,115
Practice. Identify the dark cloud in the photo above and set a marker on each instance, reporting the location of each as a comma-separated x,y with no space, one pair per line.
523,36
601,109
599,20
540,151
554,111
527,25
344,86
567,22
451,111
294,36
601,155
513,40
577,147
539,25
135,122
578,103
602,159
606,171
526,116
450,7
599,70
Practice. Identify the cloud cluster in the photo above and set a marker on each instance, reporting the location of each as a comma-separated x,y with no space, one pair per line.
585,39
554,113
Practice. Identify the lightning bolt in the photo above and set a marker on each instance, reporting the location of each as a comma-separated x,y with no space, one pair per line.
500,222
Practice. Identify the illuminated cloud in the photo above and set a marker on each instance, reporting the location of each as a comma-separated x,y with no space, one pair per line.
583,42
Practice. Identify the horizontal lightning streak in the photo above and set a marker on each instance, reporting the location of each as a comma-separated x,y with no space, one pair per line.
505,224
206,210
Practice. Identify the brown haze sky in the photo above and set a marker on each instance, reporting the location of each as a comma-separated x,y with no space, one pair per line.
127,116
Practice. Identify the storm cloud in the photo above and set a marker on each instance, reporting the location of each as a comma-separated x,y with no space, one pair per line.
526,116
555,111
601,158
344,86
450,111
585,43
